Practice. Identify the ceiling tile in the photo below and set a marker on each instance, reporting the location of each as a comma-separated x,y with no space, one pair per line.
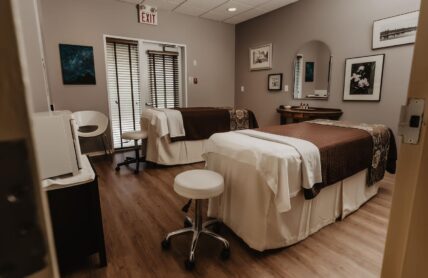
189,10
275,4
168,5
198,7
245,16
221,13
252,3
217,9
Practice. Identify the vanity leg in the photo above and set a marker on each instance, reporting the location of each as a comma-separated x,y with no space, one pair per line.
282,120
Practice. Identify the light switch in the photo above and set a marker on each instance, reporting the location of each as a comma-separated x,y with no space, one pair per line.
195,80
195,63
285,88
242,89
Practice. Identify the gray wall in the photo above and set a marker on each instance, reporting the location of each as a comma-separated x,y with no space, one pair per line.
346,27
85,22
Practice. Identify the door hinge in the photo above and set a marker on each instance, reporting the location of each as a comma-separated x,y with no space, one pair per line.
411,119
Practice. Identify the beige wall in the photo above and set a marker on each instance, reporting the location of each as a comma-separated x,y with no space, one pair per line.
346,27
27,21
85,21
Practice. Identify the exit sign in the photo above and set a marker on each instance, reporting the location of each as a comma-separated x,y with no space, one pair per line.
147,15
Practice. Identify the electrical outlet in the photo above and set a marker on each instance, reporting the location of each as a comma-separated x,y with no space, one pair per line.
285,88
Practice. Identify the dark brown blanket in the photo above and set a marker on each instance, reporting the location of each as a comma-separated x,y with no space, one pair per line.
202,122
344,151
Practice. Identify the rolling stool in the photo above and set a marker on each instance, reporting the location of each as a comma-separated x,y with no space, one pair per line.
133,135
198,185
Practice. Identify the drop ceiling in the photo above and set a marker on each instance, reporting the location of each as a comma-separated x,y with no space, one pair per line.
218,9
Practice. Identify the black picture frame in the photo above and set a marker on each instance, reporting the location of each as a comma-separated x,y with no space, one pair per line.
77,64
275,82
376,96
374,45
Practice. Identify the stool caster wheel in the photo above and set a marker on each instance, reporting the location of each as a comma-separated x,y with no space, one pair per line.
225,254
187,223
117,168
166,244
190,265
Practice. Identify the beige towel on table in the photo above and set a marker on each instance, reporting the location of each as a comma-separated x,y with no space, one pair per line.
175,123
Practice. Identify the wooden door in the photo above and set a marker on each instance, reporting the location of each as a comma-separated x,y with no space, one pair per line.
26,245
406,252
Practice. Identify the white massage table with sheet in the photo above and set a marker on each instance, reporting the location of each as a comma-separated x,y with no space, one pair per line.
259,175
160,149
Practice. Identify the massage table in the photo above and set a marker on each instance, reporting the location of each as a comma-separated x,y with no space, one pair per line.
267,207
164,150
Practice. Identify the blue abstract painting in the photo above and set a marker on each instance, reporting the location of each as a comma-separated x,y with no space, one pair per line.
77,64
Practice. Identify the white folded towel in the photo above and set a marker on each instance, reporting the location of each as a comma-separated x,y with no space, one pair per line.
175,123
310,155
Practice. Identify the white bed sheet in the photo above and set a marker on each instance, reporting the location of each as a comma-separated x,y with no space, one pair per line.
249,205
160,149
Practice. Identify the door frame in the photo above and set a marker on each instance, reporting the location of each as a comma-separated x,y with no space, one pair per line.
140,57
406,249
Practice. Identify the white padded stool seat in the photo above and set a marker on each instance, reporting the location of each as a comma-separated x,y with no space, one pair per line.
134,135
199,184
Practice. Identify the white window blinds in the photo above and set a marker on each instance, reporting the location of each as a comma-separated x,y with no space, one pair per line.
298,76
123,88
164,79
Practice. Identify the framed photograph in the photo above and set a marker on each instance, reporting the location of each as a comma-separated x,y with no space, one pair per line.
396,30
363,78
261,57
309,71
275,82
77,64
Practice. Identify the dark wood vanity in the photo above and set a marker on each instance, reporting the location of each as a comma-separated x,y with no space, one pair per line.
297,114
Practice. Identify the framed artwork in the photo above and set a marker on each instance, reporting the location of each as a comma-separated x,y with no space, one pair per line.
363,78
396,30
275,82
77,64
309,71
261,57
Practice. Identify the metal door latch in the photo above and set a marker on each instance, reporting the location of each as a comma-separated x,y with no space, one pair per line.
411,118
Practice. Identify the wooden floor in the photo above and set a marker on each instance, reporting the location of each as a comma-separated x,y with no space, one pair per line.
138,210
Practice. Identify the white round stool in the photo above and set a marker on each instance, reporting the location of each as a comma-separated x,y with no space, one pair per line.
133,135
198,185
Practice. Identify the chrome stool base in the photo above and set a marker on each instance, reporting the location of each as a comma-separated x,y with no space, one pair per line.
197,228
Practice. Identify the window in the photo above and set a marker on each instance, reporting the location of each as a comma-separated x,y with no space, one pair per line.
123,88
298,76
164,79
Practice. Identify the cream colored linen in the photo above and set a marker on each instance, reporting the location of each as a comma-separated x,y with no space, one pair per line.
175,123
247,205
278,164
309,154
160,149
155,120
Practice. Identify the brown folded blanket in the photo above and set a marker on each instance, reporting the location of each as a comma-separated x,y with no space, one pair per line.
344,151
202,122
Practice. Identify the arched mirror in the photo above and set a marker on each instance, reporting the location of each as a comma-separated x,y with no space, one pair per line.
312,65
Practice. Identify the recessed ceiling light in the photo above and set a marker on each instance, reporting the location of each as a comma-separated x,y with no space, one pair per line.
231,10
